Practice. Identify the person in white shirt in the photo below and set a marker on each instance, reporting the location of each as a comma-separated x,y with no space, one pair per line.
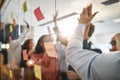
88,64
60,46
14,52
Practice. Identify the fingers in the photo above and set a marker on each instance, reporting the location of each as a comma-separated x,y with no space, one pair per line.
89,9
84,10
94,15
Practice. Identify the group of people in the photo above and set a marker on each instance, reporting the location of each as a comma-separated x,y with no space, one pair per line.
75,59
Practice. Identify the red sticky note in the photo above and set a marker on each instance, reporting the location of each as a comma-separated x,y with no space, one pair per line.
25,56
38,14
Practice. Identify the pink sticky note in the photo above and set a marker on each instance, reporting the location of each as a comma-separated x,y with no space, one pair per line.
38,14
50,49
10,39
25,56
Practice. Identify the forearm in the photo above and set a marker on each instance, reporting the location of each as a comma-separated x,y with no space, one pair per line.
78,58
75,44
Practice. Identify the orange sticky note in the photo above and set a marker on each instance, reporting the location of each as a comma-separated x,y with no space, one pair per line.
37,70
50,49
25,56
14,22
24,7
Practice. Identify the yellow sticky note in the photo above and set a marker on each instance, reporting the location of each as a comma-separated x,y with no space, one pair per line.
50,49
24,7
10,73
11,28
37,70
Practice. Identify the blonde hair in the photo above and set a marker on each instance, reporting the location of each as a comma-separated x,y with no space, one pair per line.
117,38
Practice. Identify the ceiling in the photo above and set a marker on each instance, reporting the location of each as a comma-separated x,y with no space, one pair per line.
64,7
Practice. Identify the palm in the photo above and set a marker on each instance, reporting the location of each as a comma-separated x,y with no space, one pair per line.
86,15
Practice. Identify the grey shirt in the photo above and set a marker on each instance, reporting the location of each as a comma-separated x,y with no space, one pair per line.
91,65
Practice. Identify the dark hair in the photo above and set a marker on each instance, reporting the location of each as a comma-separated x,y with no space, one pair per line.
39,49
26,45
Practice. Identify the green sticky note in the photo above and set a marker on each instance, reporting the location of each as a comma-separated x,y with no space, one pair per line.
24,7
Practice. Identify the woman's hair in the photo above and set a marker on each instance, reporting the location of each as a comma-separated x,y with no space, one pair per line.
26,44
117,39
39,49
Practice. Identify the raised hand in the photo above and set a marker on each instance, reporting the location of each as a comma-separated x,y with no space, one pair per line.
55,18
86,16
27,24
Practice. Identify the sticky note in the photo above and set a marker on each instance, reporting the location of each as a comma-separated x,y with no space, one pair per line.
0,46
10,39
11,28
25,56
38,14
10,71
37,70
50,49
24,7
14,22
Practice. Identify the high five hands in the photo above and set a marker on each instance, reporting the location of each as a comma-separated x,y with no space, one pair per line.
86,16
